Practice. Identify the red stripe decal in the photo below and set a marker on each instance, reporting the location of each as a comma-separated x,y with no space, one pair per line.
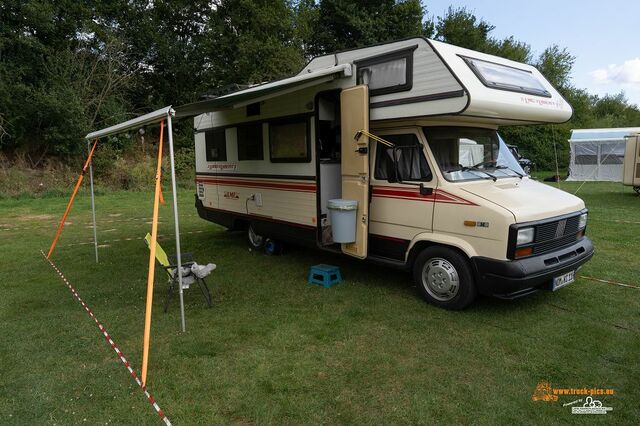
250,183
437,196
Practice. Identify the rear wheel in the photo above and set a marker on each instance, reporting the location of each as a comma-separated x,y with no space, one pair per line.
444,278
637,189
256,241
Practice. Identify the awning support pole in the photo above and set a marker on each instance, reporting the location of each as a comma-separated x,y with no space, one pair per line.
73,196
93,203
175,216
152,262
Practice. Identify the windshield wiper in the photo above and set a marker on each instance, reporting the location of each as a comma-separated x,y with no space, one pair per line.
520,175
475,169
490,163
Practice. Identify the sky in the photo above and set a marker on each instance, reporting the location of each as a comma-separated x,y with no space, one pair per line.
604,36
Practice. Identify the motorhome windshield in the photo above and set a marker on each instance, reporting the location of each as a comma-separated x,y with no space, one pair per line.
467,153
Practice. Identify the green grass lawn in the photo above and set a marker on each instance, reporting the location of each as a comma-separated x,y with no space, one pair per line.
276,350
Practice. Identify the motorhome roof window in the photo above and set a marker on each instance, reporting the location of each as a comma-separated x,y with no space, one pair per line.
289,142
504,77
387,73
250,142
215,145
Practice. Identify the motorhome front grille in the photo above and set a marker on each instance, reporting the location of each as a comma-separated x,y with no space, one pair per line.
556,229
556,234
555,244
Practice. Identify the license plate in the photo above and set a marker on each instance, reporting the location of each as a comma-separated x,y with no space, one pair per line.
562,280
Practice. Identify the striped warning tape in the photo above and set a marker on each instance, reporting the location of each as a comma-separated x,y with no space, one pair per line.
113,344
600,280
50,224
84,243
615,221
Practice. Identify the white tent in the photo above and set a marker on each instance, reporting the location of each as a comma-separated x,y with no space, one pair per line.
598,154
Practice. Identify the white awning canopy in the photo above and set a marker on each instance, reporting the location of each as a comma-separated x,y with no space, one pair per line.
264,91
134,123
232,100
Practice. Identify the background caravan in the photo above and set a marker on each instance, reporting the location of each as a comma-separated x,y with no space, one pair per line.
407,130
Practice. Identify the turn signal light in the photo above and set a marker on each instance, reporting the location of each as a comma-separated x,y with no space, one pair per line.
525,251
581,234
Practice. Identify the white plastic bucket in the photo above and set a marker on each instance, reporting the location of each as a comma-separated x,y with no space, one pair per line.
342,214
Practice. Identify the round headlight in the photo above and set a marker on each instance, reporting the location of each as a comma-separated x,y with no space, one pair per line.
525,236
583,221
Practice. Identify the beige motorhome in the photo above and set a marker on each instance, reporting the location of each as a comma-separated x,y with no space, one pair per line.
408,130
631,171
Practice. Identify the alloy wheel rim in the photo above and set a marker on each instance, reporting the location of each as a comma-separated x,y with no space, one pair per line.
440,279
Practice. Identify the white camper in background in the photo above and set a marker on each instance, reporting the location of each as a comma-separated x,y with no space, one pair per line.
599,154
408,130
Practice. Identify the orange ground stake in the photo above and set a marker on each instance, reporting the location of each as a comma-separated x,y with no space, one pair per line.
73,196
152,261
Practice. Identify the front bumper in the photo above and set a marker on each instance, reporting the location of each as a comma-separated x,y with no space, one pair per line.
515,278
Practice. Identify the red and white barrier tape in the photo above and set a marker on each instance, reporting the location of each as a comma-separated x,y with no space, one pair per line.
52,224
113,344
84,243
600,280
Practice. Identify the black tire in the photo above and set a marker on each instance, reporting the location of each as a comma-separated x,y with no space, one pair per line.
437,270
255,240
637,189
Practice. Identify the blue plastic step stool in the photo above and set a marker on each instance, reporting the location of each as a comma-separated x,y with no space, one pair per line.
325,275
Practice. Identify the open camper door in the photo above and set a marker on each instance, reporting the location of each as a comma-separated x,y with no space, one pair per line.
354,107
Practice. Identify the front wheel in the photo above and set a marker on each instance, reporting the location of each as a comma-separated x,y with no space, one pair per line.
444,278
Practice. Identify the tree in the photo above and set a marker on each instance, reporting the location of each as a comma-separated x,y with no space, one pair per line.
254,41
462,28
56,80
556,65
340,25
67,67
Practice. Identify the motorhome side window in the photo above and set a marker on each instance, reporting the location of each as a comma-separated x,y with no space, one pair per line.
405,162
387,74
215,145
250,142
289,142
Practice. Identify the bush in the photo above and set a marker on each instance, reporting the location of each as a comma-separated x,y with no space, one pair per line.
185,162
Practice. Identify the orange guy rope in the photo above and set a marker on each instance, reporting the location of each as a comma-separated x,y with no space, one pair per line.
73,196
152,261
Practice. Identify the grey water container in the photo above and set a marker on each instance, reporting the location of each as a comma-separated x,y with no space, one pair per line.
342,214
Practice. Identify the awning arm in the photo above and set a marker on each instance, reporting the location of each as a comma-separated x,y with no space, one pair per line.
135,123
264,91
